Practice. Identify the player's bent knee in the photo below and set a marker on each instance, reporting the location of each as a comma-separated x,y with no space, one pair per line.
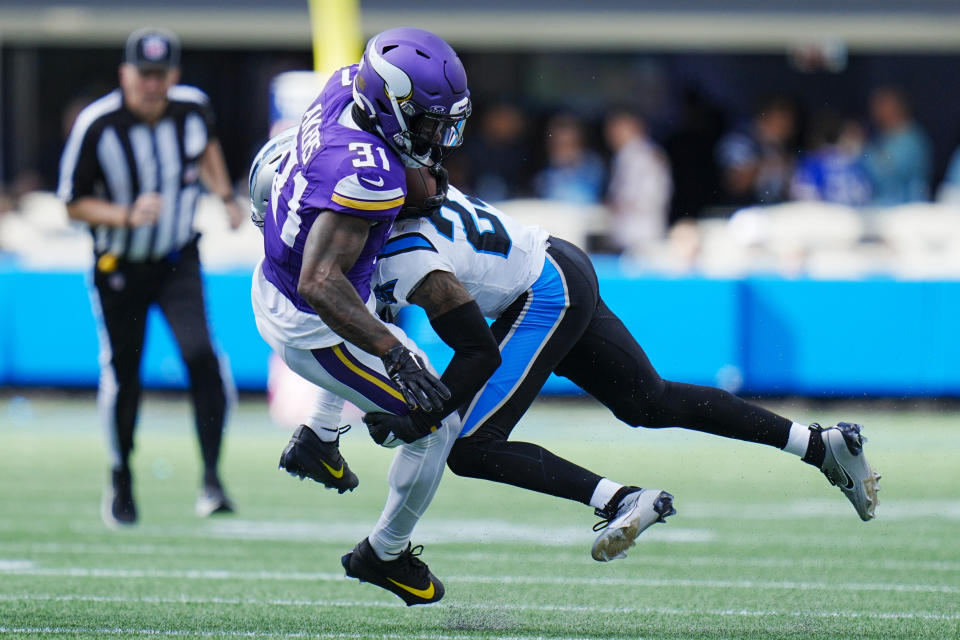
636,414
647,407
465,458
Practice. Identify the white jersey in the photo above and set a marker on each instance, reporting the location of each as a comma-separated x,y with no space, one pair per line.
495,257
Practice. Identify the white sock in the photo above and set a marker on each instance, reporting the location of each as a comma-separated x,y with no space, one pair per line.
324,415
603,492
798,440
327,434
382,553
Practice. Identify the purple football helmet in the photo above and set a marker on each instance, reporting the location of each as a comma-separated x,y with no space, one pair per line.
412,87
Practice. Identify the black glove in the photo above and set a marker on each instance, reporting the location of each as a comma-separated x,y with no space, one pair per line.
407,428
419,387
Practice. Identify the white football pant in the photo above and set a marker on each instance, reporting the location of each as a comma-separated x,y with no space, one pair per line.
347,372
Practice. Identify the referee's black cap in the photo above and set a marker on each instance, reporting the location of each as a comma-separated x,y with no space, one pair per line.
151,48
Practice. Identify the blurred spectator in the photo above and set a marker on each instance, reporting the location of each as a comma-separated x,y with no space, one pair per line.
494,162
832,170
22,184
29,180
6,204
573,173
639,190
49,162
899,157
693,164
756,161
949,191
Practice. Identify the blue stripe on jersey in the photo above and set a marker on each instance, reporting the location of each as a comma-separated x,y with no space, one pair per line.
404,243
546,304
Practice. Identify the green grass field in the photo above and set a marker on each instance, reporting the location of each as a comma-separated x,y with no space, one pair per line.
761,547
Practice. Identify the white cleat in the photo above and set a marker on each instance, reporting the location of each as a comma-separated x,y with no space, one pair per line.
213,500
846,466
634,514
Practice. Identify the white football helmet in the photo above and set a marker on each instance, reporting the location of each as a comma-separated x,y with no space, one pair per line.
264,168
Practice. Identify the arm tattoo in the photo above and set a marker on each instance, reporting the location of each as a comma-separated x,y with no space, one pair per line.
439,292
331,249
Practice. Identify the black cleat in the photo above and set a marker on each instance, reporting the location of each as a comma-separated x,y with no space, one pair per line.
408,577
117,507
213,499
307,456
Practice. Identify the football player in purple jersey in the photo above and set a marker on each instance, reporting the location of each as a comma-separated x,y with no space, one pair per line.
330,209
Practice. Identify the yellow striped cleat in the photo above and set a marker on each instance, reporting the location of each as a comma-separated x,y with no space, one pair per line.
408,577
307,456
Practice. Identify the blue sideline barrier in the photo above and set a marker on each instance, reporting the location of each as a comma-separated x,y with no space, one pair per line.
875,337
668,319
51,335
759,335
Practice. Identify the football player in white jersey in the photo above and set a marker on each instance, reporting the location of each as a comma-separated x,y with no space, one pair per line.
548,317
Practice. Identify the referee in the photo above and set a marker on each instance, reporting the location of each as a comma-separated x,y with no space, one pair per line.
132,170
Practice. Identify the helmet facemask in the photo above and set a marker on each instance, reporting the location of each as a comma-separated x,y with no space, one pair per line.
430,137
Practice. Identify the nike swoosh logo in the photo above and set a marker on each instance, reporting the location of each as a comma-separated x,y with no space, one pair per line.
847,476
336,473
377,183
426,594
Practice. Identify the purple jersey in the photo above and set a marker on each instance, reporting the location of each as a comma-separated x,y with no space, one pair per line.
334,167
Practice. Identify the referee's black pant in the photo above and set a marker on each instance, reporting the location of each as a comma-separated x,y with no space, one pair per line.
125,293
592,347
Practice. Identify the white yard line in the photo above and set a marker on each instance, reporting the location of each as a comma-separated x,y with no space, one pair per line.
225,574
191,574
531,556
695,507
753,613
146,549
447,530
547,536
97,632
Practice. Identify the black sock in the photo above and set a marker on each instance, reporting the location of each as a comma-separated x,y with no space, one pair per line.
211,478
816,450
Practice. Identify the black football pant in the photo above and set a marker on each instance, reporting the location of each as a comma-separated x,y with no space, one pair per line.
593,348
125,294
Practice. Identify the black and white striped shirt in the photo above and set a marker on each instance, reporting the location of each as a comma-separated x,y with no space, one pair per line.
113,155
